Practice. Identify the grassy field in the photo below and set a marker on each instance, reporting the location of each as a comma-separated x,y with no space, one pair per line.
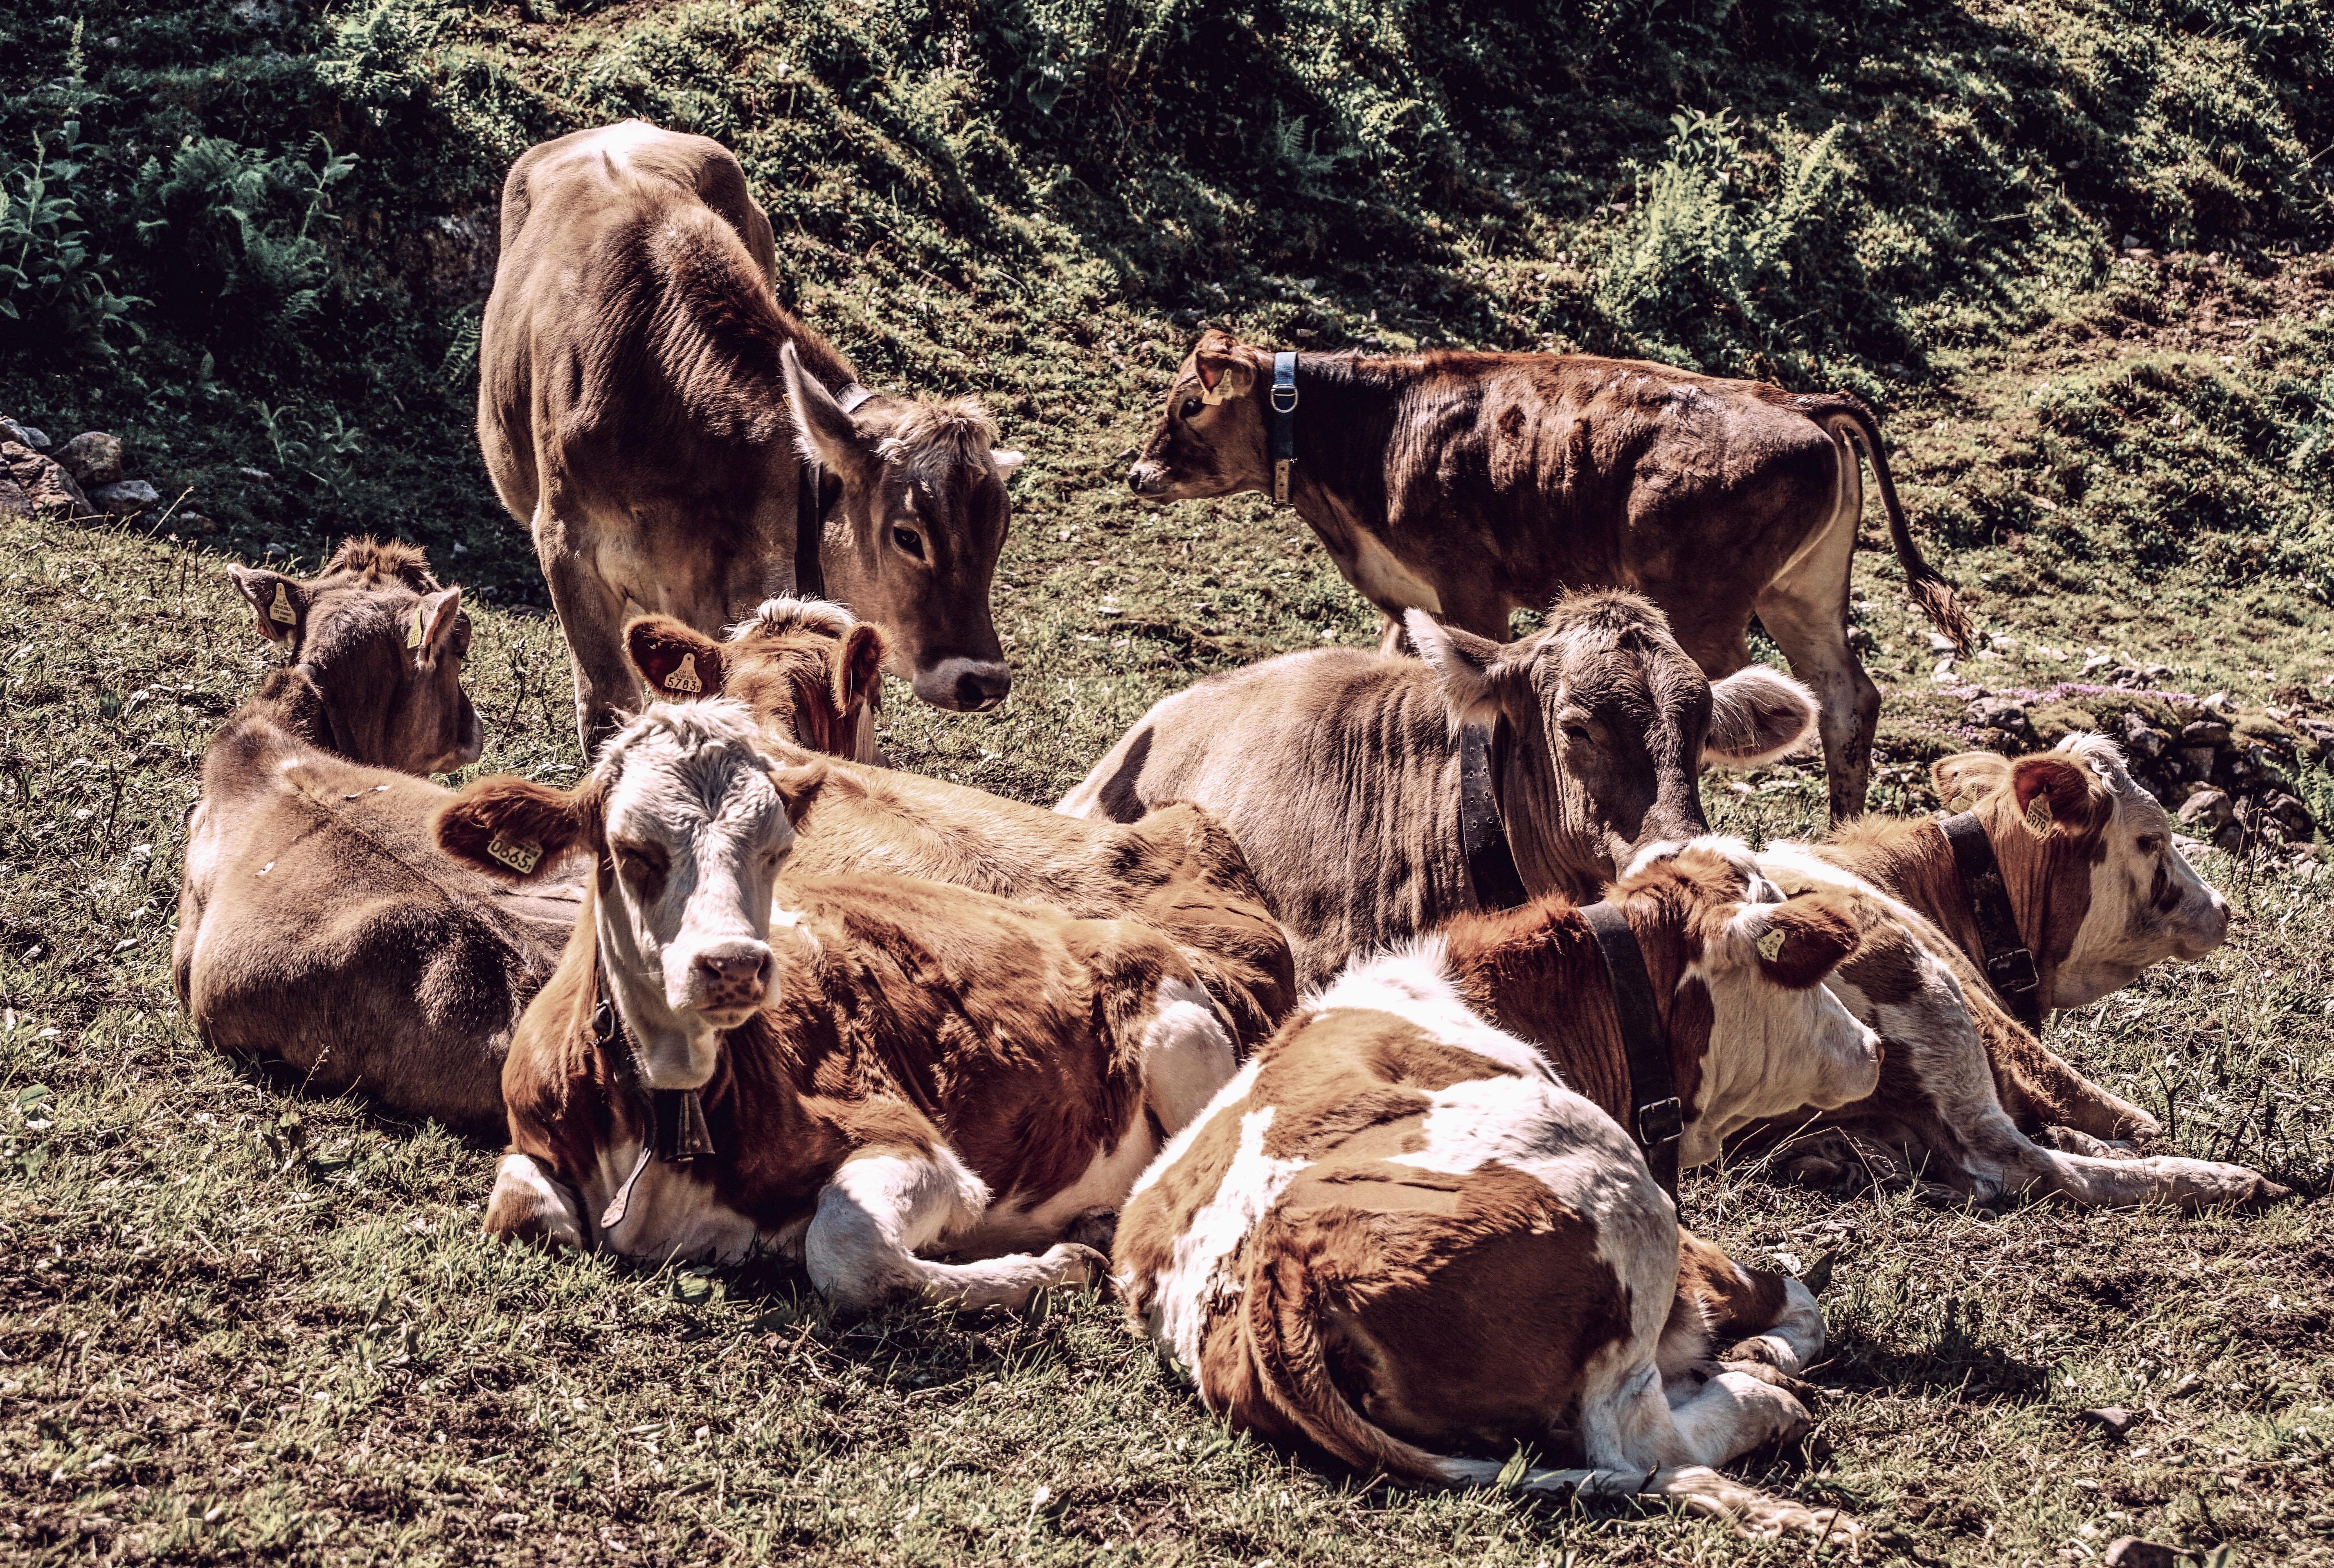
238,1321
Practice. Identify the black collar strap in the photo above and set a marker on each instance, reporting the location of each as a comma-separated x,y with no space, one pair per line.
1284,424
810,516
677,1128
1491,861
1657,1117
2009,963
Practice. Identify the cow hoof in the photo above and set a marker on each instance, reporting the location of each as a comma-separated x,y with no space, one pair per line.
1075,1267
1748,1358
2073,1140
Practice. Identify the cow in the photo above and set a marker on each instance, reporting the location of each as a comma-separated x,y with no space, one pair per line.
1413,1232
1477,485
1968,1098
676,441
318,925
1335,770
887,1068
807,670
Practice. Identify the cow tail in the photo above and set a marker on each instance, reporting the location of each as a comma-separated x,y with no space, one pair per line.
1848,416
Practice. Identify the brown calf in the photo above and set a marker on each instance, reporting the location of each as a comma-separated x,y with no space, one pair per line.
807,669
891,1068
1414,1228
648,410
1473,485
318,925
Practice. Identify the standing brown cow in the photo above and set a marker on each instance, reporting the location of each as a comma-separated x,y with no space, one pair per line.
1476,485
647,408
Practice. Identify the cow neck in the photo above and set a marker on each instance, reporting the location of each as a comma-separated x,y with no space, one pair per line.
1529,969
675,1130
1337,445
2003,955
1483,828
811,504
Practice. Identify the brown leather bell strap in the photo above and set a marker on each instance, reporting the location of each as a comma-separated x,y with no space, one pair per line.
677,1130
1483,831
2007,962
1656,1115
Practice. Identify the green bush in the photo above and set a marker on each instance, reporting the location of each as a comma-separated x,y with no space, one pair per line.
54,291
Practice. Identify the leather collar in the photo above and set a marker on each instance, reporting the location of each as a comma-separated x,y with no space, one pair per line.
1656,1115
2009,963
678,1132
1483,833
1284,424
810,514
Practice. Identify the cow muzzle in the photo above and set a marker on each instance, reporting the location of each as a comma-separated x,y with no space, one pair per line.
726,981
1146,478
964,685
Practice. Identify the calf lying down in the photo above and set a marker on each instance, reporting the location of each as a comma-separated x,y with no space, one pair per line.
2098,893
1401,1237
891,1069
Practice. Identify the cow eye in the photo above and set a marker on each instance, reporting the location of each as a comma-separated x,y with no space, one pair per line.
1577,733
908,540
1191,407
2152,844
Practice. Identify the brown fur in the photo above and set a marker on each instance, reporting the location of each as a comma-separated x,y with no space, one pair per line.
634,406
319,926
1477,485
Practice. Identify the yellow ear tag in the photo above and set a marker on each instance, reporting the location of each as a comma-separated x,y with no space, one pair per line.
413,632
2038,816
519,854
1221,393
281,611
1770,944
684,677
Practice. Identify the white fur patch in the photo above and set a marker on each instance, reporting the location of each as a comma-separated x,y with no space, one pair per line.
1413,983
1200,1274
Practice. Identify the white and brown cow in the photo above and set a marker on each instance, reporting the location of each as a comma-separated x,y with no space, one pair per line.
1967,1096
886,1069
1413,1232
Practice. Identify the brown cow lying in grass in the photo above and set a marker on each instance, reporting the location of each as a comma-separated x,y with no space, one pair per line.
2098,893
1474,484
902,1068
1177,869
318,925
1398,1234
1338,773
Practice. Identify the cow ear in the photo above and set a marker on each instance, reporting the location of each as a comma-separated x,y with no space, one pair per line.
798,787
1461,662
826,435
1756,715
858,669
1963,779
281,604
1804,940
678,661
1006,458
2057,794
510,827
429,631
1222,368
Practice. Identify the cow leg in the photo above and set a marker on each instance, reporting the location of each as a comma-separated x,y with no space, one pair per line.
2041,1088
1805,610
1187,1056
887,1203
530,1204
591,616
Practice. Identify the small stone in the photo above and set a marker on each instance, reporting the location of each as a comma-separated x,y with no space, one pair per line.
2289,814
23,435
261,475
2114,1419
13,502
2196,761
2004,642
125,496
2230,840
93,457
2131,1551
1940,643
2205,731
195,523
44,484
2001,712
2204,811
2144,737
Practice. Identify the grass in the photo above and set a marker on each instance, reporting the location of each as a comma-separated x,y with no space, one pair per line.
238,1321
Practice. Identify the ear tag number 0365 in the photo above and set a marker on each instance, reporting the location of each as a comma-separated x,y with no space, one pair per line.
519,854
683,678
1770,944
280,611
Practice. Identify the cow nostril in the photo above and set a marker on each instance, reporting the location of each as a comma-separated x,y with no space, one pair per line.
978,690
735,968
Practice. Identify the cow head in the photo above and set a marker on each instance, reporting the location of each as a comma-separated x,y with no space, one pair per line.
1212,440
1750,967
689,822
380,646
2099,890
1610,725
922,515
811,674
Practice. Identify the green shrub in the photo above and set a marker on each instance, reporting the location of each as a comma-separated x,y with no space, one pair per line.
239,234
54,291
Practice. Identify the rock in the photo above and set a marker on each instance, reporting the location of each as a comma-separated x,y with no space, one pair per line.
261,475
13,502
2144,737
195,523
93,457
25,435
2289,812
2131,1551
2205,731
125,496
2114,1419
45,485
1940,643
2205,812
2001,712
2196,761
2230,840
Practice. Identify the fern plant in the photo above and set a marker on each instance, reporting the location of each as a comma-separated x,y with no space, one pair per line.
53,288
